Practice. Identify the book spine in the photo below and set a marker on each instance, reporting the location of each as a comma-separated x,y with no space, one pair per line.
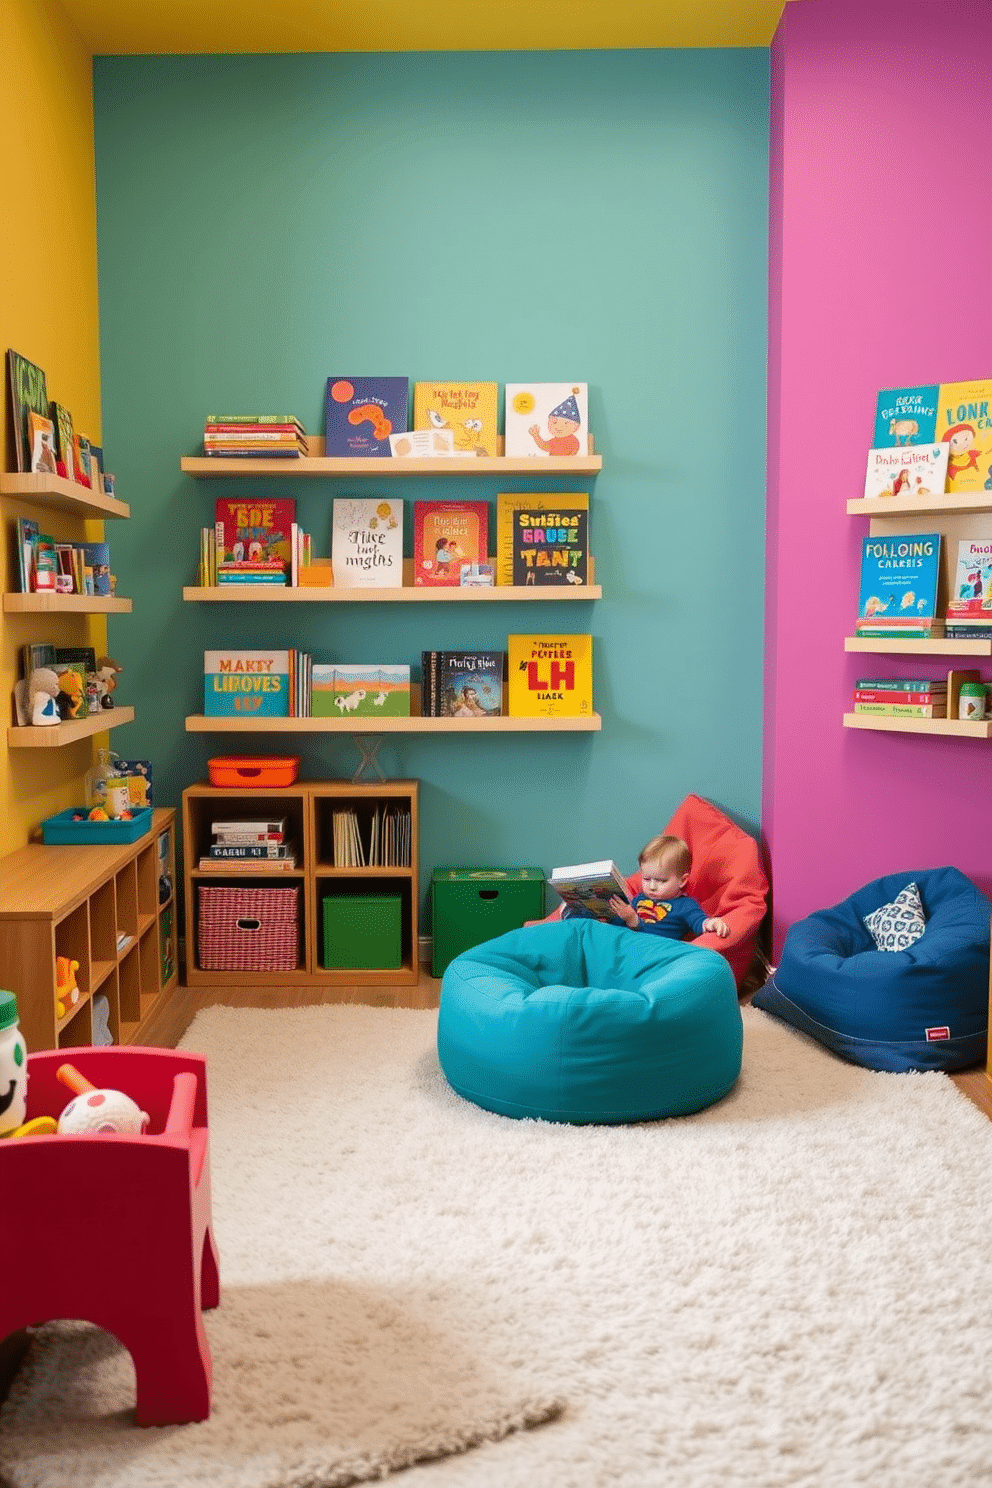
213,419
254,454
228,850
254,431
903,710
266,831
902,684
882,695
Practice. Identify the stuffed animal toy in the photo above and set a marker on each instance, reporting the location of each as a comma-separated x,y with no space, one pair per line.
42,690
106,671
71,696
66,991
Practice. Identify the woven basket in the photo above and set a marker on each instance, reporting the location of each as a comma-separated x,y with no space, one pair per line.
252,929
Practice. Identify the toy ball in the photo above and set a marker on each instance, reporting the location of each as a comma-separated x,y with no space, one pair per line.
102,1111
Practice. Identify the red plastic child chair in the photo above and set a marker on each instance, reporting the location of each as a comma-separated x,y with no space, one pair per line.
116,1229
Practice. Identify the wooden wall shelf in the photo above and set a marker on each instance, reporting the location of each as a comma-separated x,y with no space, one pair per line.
410,593
66,604
63,495
198,723
317,464
960,728
885,508
937,647
35,736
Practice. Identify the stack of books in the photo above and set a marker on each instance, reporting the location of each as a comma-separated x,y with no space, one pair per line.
899,582
254,436
901,697
258,846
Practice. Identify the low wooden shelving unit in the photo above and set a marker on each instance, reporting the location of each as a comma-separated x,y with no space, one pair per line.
99,905
308,807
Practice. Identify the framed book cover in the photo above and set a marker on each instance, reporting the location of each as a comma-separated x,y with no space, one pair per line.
28,393
462,684
964,424
62,419
549,676
546,419
367,543
246,683
448,536
468,410
367,690
906,415
253,530
900,574
551,543
360,413
906,471
971,585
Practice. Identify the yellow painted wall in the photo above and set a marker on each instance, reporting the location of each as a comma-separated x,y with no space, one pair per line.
48,313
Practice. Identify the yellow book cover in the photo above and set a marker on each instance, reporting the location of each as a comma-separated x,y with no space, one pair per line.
964,423
549,676
468,409
513,534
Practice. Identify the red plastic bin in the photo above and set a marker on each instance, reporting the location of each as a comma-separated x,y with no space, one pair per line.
254,772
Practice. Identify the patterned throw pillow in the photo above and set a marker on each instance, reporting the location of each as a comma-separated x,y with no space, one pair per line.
895,926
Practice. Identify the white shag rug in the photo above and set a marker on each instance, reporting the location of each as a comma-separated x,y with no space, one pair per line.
791,1288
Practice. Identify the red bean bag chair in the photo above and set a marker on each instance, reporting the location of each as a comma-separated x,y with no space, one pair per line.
726,877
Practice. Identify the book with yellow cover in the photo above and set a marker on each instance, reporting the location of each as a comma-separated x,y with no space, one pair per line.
964,424
530,525
549,676
468,409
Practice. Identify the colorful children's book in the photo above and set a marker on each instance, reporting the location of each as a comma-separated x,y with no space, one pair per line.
900,573
367,543
906,471
448,536
462,684
237,684
97,559
26,533
62,419
550,676
254,530
470,410
41,434
360,413
366,691
81,459
546,419
971,585
589,887
547,538
906,416
28,394
964,424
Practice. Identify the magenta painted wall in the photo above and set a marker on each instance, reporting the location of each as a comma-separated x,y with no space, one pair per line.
871,99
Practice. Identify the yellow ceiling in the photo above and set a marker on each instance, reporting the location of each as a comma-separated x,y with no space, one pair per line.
154,26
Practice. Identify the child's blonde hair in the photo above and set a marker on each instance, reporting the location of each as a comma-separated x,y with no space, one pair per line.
670,851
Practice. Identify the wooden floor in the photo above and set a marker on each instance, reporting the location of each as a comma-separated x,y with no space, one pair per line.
168,1028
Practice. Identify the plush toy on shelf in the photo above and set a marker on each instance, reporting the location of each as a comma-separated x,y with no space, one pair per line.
66,991
35,696
106,672
95,1110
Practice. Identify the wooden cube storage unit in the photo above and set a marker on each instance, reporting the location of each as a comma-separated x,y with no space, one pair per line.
309,808
111,908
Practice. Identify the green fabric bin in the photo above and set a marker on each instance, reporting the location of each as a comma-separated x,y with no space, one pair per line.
363,931
470,905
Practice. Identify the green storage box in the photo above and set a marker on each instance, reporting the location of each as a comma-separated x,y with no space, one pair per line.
470,905
363,931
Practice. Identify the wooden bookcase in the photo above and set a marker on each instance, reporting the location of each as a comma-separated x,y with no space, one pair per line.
966,514
101,906
308,807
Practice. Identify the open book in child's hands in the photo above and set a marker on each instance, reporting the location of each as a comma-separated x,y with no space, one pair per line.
590,887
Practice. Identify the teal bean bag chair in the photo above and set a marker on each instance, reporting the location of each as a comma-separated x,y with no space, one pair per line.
577,1021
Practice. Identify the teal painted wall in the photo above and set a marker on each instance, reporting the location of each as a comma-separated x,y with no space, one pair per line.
267,221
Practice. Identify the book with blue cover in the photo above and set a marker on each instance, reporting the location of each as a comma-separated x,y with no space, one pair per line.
900,574
906,415
360,413
246,684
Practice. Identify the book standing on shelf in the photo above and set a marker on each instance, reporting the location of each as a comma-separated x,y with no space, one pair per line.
906,416
253,538
589,887
462,684
971,587
360,413
547,419
899,582
448,537
543,541
367,543
360,691
28,389
468,410
41,437
909,471
62,420
964,424
246,683
550,676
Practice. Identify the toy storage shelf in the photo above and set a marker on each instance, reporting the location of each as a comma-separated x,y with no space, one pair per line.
308,807
40,736
66,604
63,495
965,514
316,463
98,905
409,593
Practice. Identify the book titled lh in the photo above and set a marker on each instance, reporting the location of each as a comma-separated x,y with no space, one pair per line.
549,676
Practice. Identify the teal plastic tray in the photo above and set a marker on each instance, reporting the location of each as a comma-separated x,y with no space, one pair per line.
62,830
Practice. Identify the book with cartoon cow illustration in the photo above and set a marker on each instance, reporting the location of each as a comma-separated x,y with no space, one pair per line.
906,415
360,413
361,691
367,543
900,575
468,409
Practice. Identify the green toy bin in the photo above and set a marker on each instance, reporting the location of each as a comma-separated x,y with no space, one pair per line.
470,905
363,932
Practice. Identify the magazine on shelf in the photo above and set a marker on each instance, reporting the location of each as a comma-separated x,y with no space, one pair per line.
590,887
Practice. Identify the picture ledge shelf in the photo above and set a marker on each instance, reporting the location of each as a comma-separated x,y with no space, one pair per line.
65,604
38,736
200,724
962,728
63,495
939,646
316,463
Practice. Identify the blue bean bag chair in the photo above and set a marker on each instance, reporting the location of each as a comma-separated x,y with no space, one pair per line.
923,1007
581,1022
